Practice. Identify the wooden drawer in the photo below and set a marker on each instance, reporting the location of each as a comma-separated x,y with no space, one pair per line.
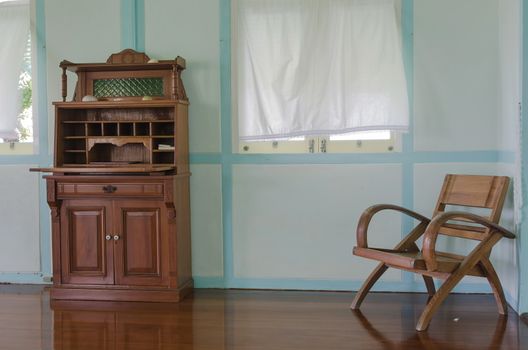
65,189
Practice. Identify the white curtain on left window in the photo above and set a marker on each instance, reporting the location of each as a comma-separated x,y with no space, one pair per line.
14,29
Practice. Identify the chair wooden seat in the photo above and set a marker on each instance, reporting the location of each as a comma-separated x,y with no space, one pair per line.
470,191
415,262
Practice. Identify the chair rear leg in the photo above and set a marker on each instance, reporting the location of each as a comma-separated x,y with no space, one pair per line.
495,284
365,288
429,284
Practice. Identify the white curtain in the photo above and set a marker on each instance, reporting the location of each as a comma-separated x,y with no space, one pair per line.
312,67
14,31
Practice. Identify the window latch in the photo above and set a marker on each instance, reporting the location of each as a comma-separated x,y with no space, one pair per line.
323,145
311,146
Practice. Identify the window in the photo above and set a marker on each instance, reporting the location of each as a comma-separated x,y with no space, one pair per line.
309,70
16,112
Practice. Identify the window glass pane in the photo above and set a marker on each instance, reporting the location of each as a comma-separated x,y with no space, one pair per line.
25,118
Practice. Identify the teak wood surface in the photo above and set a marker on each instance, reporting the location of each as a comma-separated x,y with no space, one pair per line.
470,191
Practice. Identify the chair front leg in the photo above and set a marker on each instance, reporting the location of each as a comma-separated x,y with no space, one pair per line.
365,288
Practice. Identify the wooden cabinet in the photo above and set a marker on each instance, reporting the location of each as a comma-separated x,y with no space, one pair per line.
119,188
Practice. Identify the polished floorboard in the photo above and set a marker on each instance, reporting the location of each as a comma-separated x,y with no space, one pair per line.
236,319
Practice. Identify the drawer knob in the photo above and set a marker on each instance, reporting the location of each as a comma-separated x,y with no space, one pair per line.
116,238
109,189
108,237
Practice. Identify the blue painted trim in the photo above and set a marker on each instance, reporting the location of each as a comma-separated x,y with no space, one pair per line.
44,158
342,285
408,138
226,139
25,278
208,282
205,158
523,229
128,31
355,158
367,158
140,25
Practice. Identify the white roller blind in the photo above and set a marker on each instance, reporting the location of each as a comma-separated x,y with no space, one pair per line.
309,67
14,30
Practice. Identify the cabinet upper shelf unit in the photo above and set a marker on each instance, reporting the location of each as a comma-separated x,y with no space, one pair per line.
129,113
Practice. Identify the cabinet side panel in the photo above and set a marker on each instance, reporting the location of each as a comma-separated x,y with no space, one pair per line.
182,138
183,228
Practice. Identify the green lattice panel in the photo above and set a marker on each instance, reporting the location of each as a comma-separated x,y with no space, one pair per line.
126,87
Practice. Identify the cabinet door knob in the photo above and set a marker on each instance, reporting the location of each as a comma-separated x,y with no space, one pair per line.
109,189
108,237
116,238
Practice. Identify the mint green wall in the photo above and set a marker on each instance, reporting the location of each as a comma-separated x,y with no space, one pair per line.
456,75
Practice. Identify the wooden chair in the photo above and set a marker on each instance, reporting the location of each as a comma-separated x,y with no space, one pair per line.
458,190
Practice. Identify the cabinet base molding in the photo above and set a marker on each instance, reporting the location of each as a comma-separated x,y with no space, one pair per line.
106,294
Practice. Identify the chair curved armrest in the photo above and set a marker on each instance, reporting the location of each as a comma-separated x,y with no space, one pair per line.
367,215
431,232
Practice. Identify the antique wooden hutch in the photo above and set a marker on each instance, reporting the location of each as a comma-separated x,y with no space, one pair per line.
119,188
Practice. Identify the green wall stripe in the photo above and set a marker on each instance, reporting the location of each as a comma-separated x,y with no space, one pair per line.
408,138
45,159
226,137
140,25
133,24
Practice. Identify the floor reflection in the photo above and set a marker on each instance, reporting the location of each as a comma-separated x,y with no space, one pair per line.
504,335
256,320
123,325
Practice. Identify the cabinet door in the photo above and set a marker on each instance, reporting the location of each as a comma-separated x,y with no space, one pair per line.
141,249
86,255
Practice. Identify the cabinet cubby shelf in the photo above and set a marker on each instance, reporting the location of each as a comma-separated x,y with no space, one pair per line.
118,134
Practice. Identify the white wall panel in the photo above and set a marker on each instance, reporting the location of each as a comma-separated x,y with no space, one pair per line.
510,29
191,29
206,220
19,215
455,75
299,221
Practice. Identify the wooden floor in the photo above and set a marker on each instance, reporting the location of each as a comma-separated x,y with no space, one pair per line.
214,319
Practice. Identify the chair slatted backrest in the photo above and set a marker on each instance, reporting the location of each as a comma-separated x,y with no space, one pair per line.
472,191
